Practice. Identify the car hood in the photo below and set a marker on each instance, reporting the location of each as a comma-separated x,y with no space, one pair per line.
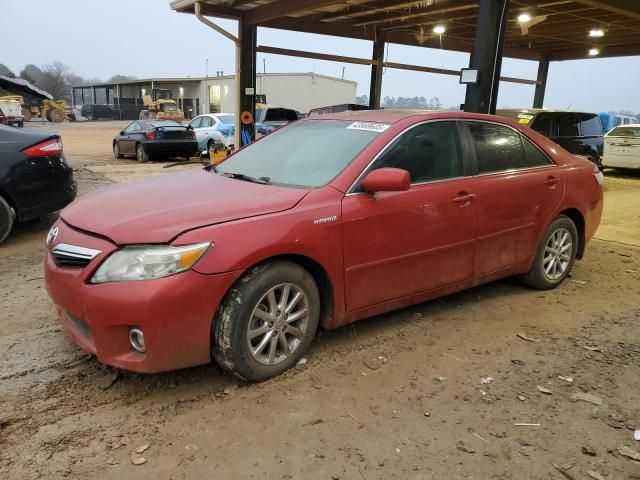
157,209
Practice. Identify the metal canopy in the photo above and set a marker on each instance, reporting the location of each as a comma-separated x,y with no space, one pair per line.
558,30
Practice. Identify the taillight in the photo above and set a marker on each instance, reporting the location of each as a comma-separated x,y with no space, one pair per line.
193,135
53,146
150,135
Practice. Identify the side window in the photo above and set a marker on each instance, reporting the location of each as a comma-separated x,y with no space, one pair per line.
130,128
196,122
429,152
544,124
137,127
206,122
590,125
498,148
534,157
568,126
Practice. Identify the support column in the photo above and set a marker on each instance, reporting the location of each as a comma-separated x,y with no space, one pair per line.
541,86
487,56
375,89
247,73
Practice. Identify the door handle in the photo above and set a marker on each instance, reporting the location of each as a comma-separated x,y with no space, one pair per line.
552,181
464,197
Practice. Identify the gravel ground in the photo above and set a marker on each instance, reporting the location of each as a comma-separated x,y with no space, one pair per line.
430,392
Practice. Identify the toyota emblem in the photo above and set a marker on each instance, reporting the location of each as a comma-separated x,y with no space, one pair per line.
51,236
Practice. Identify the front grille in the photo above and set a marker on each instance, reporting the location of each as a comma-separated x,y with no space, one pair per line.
71,256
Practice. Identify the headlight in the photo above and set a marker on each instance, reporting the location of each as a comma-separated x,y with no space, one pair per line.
145,262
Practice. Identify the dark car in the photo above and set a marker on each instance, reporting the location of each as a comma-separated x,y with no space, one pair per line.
3,118
35,178
94,112
343,107
150,139
579,133
275,117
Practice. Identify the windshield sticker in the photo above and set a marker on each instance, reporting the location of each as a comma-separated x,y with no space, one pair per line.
369,126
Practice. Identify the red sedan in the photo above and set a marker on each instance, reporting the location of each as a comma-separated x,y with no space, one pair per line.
322,223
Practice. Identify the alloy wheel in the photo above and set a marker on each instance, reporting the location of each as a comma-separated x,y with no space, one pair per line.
557,254
278,324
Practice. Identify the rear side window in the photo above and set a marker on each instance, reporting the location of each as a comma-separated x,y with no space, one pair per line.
497,147
590,125
428,152
196,123
534,157
568,126
545,125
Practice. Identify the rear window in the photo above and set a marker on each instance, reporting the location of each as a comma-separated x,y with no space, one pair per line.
590,125
632,132
164,123
280,115
226,119
568,126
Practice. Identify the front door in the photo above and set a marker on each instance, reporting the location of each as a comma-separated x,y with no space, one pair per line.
400,243
518,189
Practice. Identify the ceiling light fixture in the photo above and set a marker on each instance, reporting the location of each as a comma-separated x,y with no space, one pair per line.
593,52
524,18
596,33
439,29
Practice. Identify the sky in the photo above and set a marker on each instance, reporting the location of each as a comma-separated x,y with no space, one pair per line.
145,38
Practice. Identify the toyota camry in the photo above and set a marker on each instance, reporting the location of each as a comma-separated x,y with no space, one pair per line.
322,223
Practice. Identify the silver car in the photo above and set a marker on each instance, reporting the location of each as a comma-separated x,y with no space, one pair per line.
213,128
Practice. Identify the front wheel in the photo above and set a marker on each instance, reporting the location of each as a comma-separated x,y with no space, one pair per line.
116,151
141,155
555,255
266,321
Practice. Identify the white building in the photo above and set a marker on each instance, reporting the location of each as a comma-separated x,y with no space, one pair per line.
299,91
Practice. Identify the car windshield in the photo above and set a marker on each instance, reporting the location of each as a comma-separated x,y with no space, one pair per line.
226,119
309,153
633,132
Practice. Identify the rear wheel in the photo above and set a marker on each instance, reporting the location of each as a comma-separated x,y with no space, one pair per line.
6,219
266,321
555,256
141,155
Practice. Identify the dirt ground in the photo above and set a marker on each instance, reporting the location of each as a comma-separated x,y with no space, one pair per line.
431,392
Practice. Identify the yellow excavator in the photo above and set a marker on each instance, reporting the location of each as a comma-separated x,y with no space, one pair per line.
54,111
161,109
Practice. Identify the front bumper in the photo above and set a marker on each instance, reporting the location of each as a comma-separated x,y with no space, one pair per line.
175,313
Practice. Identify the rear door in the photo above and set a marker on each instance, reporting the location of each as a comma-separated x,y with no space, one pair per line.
518,189
195,125
402,243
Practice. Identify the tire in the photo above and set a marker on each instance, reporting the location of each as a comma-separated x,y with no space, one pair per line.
116,151
6,220
141,155
232,347
20,124
548,255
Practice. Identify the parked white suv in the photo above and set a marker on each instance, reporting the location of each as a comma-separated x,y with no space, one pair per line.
13,111
214,127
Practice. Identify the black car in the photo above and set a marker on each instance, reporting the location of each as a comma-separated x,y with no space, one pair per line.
35,178
95,111
577,132
151,139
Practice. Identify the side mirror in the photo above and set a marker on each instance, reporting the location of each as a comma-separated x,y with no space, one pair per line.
121,132
387,180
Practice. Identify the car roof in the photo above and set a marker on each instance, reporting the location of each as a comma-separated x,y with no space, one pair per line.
538,110
392,116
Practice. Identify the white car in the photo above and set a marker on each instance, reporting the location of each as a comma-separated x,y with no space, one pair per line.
213,127
622,147
13,111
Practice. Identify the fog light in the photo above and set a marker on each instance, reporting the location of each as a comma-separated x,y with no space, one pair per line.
136,339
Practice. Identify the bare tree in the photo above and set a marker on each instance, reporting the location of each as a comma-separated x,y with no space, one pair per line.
55,79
